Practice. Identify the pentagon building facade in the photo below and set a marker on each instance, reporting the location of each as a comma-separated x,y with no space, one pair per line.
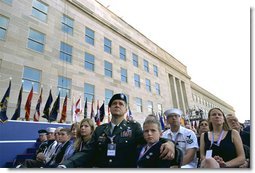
82,49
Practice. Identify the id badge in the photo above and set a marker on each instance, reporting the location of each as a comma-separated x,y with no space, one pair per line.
111,150
208,154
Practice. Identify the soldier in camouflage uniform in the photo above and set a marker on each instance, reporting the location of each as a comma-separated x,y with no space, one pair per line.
114,144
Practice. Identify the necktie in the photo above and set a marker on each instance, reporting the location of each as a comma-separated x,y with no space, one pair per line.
114,129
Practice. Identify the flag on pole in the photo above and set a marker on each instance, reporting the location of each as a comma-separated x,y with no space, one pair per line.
76,110
92,114
97,117
161,120
55,109
28,104
37,108
78,106
129,115
46,111
16,114
102,112
109,115
86,109
4,104
64,110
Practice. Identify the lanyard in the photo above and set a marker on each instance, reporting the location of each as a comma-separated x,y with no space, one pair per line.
111,138
219,139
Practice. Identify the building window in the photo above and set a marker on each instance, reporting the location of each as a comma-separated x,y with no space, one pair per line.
139,105
31,77
135,60
148,85
137,80
122,53
64,86
67,25
150,106
108,69
108,96
107,45
66,52
36,41
3,27
155,69
89,62
9,2
157,87
89,36
40,10
89,92
123,75
146,65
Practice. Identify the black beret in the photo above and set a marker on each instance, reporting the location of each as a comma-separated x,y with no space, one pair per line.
119,96
42,131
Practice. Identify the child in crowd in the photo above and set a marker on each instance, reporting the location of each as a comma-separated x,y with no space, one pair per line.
148,155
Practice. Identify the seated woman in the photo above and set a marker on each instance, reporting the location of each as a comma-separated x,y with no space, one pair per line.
84,133
224,145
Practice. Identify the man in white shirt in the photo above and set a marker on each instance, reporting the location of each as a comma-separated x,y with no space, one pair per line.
183,137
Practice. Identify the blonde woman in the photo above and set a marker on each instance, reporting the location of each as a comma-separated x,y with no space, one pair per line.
84,133
224,145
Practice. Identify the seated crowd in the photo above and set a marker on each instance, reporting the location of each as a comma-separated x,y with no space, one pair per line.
217,142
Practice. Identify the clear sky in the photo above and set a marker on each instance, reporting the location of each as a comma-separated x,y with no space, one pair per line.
210,37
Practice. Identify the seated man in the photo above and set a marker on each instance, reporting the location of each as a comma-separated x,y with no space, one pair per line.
64,151
183,137
42,157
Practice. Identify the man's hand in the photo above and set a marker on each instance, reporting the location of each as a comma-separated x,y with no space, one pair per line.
40,157
167,151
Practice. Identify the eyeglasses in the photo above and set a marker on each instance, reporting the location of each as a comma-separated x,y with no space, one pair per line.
203,124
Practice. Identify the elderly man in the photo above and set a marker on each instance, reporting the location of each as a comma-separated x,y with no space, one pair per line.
234,124
184,138
114,144
245,136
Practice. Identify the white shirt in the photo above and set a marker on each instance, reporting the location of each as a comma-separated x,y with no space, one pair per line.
185,139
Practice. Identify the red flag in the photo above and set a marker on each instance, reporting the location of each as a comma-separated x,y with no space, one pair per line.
37,109
76,109
63,113
28,104
78,106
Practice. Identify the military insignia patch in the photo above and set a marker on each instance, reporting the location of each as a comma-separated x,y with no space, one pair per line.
189,140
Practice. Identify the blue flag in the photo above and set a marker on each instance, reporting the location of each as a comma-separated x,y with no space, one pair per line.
4,104
55,109
46,110
161,119
16,114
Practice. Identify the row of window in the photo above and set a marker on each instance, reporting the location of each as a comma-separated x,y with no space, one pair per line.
33,76
36,39
36,42
203,101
